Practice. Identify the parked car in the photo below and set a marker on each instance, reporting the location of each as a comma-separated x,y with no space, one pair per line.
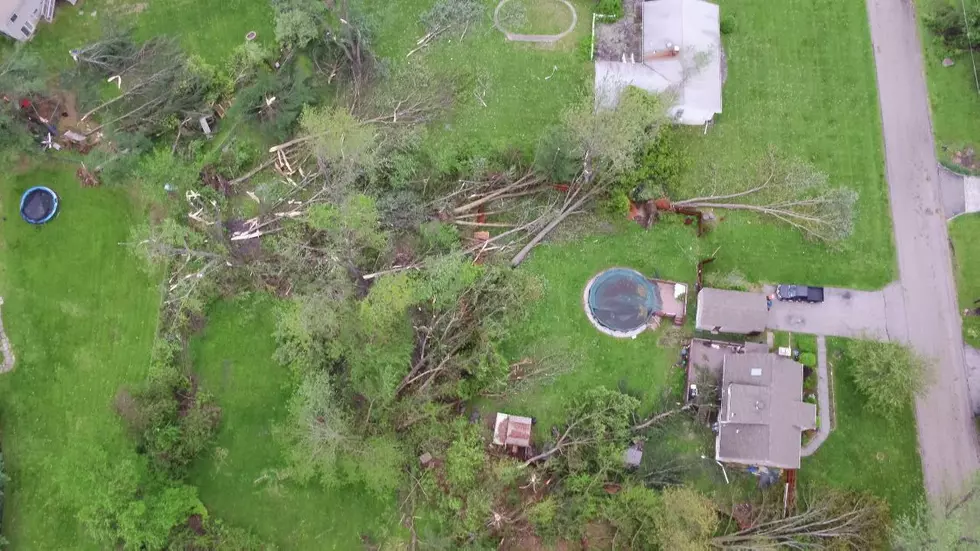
799,293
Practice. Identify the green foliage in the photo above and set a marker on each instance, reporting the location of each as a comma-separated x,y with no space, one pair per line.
347,147
136,509
687,520
171,420
634,512
660,164
354,221
439,238
809,359
598,424
727,25
308,331
542,515
318,431
465,457
888,374
609,7
299,22
609,138
946,19
293,89
554,156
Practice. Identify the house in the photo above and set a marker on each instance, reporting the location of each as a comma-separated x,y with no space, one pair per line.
762,412
19,18
708,357
681,55
512,431
721,311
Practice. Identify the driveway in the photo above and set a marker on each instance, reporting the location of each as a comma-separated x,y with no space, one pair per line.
947,435
843,313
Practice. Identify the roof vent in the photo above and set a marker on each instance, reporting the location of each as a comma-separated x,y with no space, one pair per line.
756,372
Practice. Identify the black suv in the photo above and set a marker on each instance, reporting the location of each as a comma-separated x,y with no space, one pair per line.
799,293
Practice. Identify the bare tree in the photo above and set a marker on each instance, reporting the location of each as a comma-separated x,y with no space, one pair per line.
841,520
792,192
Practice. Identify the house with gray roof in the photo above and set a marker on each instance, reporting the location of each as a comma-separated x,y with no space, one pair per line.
681,55
762,411
721,311
19,18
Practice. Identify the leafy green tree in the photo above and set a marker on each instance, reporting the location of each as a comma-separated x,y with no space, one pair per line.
958,31
659,165
635,514
299,22
346,147
888,374
318,431
687,520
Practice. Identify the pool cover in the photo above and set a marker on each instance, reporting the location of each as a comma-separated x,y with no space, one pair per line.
38,205
622,299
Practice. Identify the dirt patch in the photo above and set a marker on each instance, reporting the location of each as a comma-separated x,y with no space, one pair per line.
211,178
245,249
622,38
966,158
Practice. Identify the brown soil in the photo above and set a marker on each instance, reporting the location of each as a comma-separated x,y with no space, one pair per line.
248,249
966,158
212,178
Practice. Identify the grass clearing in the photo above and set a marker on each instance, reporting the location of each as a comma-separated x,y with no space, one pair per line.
525,86
638,366
953,95
866,452
234,360
210,29
966,259
81,316
781,60
535,16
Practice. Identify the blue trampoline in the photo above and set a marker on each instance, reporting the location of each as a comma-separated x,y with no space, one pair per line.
623,300
38,205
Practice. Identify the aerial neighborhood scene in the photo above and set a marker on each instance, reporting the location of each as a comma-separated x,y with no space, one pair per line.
398,275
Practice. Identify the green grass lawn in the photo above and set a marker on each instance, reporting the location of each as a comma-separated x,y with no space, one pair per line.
208,28
81,317
800,77
866,452
525,86
558,321
234,360
963,232
953,95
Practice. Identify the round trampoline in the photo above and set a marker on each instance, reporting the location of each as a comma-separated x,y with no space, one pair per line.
38,205
620,302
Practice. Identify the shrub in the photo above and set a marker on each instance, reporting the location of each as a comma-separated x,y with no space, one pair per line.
809,359
946,20
727,24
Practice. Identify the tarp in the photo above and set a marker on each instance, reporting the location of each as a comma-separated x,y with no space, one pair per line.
38,205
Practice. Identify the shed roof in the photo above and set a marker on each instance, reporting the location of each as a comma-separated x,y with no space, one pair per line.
694,75
512,430
731,311
762,411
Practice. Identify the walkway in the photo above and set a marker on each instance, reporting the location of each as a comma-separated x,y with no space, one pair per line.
960,194
947,435
823,399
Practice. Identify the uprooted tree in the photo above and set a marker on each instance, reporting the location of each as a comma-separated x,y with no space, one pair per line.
792,192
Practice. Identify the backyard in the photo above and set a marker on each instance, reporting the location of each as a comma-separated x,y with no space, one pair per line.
82,314
77,340
233,357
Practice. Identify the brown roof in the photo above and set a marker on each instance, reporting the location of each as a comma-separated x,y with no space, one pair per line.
762,411
731,311
512,430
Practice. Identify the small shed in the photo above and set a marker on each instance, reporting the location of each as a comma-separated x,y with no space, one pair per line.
512,430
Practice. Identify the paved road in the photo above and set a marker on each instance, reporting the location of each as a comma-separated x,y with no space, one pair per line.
947,437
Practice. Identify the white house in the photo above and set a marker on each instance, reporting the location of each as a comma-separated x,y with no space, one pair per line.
681,55
19,18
